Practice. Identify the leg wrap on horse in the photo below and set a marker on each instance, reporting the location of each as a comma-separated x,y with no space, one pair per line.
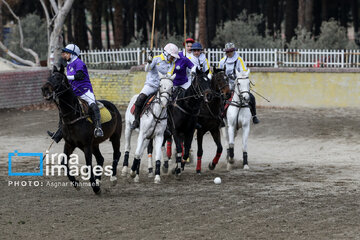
136,165
198,165
245,158
157,167
126,159
96,117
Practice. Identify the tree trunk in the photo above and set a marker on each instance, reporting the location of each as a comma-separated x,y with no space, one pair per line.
202,22
270,4
119,27
324,10
1,24
355,14
55,37
290,19
211,16
301,14
96,10
309,6
69,32
80,28
279,15
107,8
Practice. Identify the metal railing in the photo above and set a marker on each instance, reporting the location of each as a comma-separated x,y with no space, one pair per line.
253,57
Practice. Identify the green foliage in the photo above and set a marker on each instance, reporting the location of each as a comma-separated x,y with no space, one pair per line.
244,32
332,36
35,37
160,42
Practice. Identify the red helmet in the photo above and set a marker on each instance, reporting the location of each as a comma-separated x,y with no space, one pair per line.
189,40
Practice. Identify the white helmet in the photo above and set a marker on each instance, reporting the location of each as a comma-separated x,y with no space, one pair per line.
172,49
72,48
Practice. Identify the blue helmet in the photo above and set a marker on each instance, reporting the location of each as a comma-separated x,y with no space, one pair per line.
196,46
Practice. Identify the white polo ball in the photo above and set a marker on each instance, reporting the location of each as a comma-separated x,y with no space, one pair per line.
217,180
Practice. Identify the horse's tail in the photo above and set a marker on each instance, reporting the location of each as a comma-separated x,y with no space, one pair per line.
115,114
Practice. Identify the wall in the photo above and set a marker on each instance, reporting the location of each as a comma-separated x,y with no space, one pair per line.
283,87
22,87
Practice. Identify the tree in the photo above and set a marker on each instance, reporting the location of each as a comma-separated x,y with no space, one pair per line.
96,11
202,22
119,27
80,27
290,19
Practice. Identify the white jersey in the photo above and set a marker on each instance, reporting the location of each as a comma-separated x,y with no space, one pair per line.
159,63
201,62
230,64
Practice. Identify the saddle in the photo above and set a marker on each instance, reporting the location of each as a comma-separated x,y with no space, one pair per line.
145,106
104,112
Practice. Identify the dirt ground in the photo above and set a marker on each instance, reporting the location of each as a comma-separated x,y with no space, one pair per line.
303,183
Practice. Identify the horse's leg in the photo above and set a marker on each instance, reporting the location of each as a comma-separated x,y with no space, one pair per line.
231,132
141,145
68,150
158,142
187,145
150,151
128,132
115,141
100,161
88,158
216,136
245,135
225,133
200,135
166,158
178,141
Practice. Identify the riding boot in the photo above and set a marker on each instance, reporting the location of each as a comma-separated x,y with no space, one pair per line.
252,104
56,136
138,107
98,132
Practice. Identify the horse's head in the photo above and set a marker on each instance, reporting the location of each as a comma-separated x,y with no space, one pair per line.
56,84
242,86
220,83
201,84
166,84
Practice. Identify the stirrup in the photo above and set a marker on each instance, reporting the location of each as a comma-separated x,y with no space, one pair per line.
98,132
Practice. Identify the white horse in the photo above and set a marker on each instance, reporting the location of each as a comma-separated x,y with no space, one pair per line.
238,116
152,126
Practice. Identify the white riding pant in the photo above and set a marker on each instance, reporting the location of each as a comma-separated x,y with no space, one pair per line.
147,90
89,97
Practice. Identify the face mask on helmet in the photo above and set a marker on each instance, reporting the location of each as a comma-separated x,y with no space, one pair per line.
167,55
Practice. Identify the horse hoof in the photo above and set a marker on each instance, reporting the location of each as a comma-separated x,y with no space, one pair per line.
231,160
165,170
132,174
157,179
212,166
246,167
137,179
113,180
124,171
229,166
97,190
151,175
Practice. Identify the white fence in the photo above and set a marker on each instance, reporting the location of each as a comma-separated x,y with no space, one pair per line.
253,57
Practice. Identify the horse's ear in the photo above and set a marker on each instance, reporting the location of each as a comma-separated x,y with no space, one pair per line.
173,77
62,69
198,70
207,72
55,69
161,75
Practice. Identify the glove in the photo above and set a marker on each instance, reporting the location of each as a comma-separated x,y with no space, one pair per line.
150,57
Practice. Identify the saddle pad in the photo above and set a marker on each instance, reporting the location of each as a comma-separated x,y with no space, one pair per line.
105,115
148,101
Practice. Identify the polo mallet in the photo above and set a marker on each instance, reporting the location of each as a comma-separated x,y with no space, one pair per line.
185,25
152,29
45,154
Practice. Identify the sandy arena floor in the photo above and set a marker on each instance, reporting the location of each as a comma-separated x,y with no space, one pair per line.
303,183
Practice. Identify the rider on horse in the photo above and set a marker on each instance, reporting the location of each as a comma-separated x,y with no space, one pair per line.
199,59
163,63
78,77
231,62
188,44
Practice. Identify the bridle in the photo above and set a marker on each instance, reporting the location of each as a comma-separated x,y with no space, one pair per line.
243,101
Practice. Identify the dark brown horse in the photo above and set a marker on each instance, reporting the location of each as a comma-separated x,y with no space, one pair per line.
210,117
78,131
